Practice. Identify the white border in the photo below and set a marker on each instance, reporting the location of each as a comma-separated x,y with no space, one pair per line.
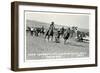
57,62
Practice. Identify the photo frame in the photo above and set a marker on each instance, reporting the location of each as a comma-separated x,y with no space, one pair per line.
52,36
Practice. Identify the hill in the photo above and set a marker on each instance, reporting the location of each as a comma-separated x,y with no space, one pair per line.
34,23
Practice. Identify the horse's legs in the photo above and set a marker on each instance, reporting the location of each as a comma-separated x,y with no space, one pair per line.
64,41
52,38
31,33
48,37
46,34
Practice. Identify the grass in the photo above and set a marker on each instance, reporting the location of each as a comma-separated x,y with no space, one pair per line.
39,48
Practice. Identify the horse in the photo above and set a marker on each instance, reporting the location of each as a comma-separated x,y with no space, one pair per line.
34,31
49,33
39,31
62,31
73,31
42,30
57,36
30,30
66,35
82,36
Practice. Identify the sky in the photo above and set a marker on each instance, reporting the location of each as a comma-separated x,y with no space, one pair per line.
69,19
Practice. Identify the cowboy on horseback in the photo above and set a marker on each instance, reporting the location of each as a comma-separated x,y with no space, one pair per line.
50,31
51,28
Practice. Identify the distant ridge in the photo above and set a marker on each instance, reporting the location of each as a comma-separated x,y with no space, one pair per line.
34,23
